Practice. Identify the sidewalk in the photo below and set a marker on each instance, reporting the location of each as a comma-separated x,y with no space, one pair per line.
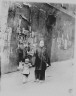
59,82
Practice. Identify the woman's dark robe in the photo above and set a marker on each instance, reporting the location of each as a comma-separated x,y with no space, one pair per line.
40,66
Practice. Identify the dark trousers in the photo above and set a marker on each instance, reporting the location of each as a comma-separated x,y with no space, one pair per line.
40,74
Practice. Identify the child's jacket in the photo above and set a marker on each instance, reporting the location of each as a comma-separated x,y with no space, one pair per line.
26,69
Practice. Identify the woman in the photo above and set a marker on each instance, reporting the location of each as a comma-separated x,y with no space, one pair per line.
40,63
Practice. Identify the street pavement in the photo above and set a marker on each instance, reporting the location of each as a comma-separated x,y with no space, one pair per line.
58,82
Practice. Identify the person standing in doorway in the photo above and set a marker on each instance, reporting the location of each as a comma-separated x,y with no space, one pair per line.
20,53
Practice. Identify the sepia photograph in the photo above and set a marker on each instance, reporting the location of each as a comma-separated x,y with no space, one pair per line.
37,48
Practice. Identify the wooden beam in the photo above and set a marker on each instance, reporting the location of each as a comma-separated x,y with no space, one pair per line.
27,4
63,10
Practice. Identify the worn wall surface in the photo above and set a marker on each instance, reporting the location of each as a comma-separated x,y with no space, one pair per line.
55,39
65,26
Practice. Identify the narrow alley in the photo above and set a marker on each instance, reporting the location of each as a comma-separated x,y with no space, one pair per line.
59,82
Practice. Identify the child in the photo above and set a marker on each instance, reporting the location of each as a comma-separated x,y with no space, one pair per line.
26,70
